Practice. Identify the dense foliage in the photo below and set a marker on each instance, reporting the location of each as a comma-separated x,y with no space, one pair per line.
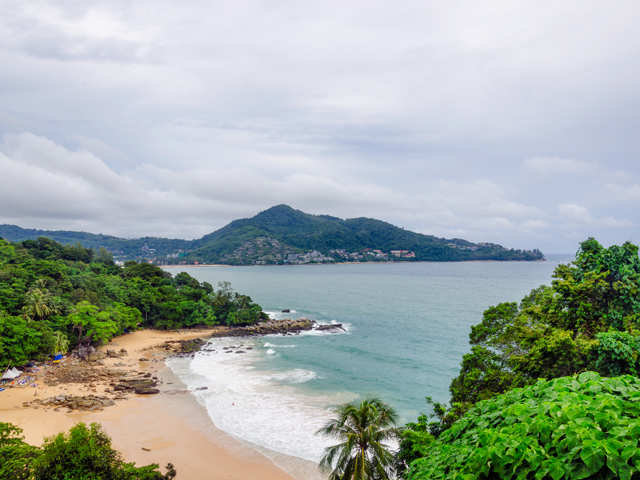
364,432
587,320
53,297
83,453
573,427
285,229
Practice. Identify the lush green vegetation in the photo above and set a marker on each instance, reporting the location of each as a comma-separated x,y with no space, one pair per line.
588,319
82,454
54,297
576,426
293,231
364,432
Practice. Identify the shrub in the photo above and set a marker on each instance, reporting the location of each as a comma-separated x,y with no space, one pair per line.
578,427
617,353
86,453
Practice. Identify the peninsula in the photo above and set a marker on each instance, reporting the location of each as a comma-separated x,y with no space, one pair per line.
283,235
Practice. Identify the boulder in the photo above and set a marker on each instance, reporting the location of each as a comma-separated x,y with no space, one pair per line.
332,326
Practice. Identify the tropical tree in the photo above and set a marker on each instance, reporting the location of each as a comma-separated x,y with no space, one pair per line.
60,343
38,303
364,431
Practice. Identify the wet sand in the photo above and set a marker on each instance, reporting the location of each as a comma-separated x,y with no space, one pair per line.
168,427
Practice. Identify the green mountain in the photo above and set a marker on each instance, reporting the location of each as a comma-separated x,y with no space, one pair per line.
282,234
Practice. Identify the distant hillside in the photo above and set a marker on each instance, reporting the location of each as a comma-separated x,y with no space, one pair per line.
283,235
121,248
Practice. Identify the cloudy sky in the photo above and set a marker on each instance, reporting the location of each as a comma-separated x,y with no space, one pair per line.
512,122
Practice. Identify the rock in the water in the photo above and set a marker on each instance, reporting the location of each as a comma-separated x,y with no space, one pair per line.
332,326
268,327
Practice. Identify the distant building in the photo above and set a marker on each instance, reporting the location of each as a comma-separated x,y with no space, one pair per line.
403,254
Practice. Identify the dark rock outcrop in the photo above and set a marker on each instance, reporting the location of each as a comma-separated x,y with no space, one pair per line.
269,327
329,327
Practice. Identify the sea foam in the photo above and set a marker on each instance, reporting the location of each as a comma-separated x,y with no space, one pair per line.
261,407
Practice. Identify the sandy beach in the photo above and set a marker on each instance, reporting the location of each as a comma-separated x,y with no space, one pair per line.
170,426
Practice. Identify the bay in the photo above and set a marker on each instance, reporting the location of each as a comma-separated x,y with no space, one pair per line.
407,330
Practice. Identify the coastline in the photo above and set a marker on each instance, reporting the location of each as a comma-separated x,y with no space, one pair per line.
190,265
170,426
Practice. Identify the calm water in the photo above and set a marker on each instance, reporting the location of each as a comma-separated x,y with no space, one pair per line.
408,326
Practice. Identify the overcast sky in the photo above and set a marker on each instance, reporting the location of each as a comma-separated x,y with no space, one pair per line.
511,122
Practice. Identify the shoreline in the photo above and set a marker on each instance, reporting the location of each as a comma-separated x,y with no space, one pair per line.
343,263
171,426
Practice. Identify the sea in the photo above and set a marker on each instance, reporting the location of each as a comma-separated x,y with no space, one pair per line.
406,328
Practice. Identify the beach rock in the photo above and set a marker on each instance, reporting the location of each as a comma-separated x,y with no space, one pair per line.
84,351
113,354
73,402
96,356
146,391
286,310
184,347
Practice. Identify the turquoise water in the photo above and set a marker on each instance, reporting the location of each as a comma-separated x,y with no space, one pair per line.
408,323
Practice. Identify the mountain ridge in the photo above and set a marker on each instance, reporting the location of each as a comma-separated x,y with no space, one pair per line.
282,234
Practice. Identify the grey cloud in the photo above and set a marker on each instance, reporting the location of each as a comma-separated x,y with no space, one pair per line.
467,121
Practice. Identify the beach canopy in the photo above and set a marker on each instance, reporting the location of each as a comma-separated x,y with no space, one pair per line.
11,374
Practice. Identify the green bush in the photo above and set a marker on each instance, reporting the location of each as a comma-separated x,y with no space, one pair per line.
85,453
577,427
617,353
16,456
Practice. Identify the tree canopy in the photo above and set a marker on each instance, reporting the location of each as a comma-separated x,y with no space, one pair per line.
588,319
54,296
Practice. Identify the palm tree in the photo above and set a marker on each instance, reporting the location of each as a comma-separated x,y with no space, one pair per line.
60,343
38,304
363,430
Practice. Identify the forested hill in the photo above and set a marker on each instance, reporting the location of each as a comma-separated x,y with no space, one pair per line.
282,234
120,248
